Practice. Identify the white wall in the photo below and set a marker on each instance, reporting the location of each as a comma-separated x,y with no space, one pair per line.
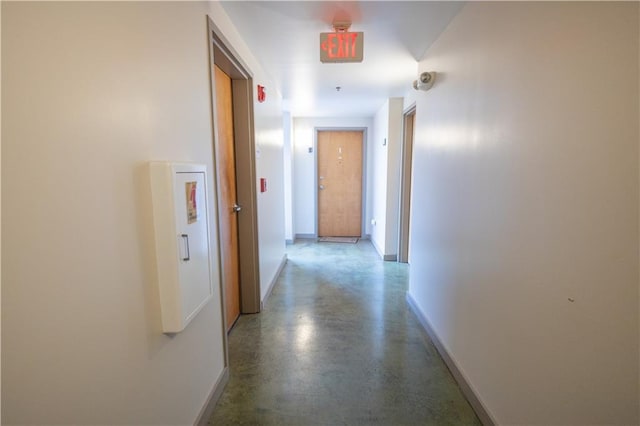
524,235
92,91
287,125
394,148
379,178
304,166
0,221
270,165
385,173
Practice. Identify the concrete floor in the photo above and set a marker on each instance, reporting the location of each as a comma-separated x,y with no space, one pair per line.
337,345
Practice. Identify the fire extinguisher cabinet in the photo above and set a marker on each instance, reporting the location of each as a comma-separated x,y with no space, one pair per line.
183,250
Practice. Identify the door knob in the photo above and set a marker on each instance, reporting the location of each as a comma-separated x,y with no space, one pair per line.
236,208
321,186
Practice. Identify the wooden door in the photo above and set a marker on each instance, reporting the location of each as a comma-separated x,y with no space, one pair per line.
228,216
340,183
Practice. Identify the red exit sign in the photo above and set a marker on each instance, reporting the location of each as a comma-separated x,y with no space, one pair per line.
341,47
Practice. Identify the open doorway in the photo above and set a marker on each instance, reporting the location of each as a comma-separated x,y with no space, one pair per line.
234,163
409,118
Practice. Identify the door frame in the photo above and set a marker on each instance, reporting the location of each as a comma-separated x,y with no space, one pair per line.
364,173
227,59
406,173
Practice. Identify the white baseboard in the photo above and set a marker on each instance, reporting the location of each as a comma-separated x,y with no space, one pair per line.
212,400
273,281
481,410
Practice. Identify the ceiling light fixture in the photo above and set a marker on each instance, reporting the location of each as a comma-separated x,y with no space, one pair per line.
341,26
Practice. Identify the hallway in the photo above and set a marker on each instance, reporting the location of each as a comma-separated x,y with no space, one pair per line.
524,213
337,344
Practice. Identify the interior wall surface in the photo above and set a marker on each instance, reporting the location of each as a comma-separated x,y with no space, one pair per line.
524,232
271,203
287,126
378,221
394,148
91,93
385,175
304,169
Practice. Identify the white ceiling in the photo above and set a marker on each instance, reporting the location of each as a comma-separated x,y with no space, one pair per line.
284,37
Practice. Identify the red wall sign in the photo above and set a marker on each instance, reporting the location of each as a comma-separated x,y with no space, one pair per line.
341,47
262,95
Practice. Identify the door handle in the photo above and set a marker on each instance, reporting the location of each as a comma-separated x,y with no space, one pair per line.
185,237
321,186
236,208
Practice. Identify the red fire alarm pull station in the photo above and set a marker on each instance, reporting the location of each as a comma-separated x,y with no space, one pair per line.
263,184
262,95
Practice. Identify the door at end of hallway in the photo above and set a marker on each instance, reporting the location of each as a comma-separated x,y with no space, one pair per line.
340,183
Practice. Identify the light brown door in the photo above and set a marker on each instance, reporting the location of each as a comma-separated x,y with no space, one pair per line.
228,216
340,183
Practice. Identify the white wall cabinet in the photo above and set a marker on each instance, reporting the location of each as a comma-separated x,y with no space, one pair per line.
183,251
